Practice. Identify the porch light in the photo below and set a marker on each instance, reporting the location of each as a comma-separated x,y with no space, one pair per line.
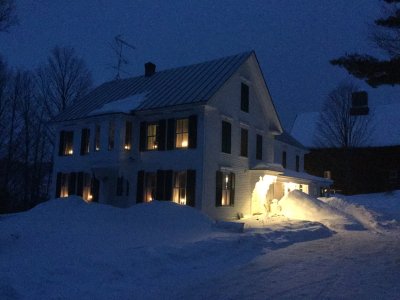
260,192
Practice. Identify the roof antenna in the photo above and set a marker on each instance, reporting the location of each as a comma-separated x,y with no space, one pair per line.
118,46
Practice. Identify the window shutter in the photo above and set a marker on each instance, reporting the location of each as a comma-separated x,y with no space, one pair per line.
83,139
139,187
244,137
259,147
161,135
160,192
218,189
191,188
79,188
226,137
193,131
62,143
95,189
244,98
72,183
171,134
58,185
232,197
168,185
143,136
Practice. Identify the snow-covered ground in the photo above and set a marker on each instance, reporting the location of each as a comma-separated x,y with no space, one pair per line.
339,247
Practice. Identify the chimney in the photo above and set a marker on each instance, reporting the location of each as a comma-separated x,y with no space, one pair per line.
359,104
149,69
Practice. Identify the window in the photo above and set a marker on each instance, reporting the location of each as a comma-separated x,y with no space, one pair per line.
120,186
151,137
226,137
97,138
179,189
128,135
244,138
150,187
297,163
64,185
328,174
85,138
259,141
66,143
284,159
182,133
111,135
244,98
225,188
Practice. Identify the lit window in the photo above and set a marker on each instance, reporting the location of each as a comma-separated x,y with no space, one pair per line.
85,138
182,133
111,135
64,185
179,191
152,137
150,187
87,186
128,135
97,138
66,143
225,188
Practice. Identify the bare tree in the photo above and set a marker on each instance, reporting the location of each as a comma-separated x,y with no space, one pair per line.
62,80
8,16
337,127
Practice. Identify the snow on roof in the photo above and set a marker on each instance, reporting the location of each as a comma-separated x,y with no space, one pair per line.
306,176
384,129
125,105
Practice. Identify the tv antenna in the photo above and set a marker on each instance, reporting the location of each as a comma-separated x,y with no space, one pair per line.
118,46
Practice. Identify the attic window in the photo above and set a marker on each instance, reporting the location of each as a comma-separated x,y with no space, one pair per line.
244,98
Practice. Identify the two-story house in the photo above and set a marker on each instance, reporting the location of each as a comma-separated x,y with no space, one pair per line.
201,135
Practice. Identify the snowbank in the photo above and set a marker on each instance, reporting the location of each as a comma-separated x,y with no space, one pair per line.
300,206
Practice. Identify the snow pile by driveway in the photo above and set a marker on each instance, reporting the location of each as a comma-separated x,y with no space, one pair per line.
68,249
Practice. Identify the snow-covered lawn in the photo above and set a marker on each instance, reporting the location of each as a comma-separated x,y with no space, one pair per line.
347,247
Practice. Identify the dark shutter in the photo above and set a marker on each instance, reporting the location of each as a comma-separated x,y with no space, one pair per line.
226,137
259,147
171,134
83,141
244,139
79,186
193,131
62,143
160,194
95,189
232,198
218,189
191,188
71,183
139,187
168,185
160,135
143,136
58,185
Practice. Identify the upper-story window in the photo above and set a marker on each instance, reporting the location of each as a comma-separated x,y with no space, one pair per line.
128,135
297,163
151,137
244,139
97,138
284,159
85,138
226,137
111,135
259,148
182,133
244,97
66,146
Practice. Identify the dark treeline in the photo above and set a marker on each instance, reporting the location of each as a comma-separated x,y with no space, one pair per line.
28,102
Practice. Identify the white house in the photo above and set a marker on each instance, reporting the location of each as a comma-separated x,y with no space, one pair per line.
202,135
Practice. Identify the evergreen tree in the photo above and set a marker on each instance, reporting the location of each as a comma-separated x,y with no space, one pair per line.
377,71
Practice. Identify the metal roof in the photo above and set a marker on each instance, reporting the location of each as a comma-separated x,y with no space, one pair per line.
184,85
286,138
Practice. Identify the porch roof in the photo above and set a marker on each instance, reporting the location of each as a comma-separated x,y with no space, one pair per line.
306,177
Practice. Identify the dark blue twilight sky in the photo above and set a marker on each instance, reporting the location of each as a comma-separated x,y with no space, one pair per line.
293,39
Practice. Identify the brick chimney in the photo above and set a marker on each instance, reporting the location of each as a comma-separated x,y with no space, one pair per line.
149,69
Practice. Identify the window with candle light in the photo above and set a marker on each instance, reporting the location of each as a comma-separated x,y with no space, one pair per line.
179,188
66,143
182,133
151,137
